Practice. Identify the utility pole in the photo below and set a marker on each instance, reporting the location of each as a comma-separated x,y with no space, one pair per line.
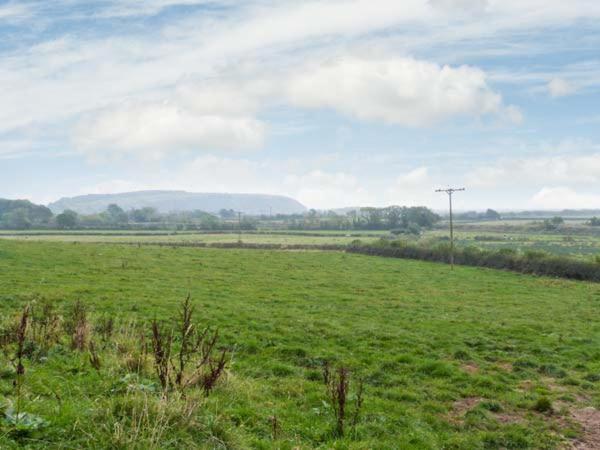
451,191
239,227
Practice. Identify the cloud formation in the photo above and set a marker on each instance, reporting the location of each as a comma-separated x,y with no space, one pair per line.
403,91
151,131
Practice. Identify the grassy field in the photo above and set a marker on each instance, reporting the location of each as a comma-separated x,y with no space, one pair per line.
287,238
563,243
467,359
192,238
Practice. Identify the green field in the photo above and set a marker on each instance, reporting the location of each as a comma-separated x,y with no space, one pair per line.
558,243
288,238
463,359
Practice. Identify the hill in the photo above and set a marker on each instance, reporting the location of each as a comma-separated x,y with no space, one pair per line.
169,201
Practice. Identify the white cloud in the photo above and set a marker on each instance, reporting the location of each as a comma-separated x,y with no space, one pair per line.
13,11
415,178
321,189
577,169
413,188
470,6
564,197
151,130
558,87
404,91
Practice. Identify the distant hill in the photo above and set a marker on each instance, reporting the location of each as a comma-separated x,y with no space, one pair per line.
170,201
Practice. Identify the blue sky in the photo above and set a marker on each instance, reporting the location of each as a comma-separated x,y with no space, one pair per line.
336,103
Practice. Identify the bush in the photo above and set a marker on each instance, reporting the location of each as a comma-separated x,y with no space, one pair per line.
543,405
531,262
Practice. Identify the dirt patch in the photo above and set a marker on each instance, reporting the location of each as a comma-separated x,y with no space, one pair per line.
589,420
470,368
505,366
508,418
462,406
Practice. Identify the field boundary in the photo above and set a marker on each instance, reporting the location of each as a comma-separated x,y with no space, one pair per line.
530,263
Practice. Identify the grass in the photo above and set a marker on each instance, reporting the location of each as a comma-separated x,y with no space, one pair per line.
456,359
563,243
251,238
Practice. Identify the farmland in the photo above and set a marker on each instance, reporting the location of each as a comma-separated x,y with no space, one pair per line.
473,358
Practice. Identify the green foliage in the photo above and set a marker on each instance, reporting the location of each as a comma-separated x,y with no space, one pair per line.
67,219
554,223
543,405
22,423
22,214
595,222
530,262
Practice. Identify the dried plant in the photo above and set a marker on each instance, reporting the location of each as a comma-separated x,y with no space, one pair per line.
17,360
337,384
46,325
161,346
274,427
94,358
21,335
105,328
79,326
193,362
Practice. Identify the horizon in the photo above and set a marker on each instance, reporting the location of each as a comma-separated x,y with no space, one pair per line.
332,103
308,207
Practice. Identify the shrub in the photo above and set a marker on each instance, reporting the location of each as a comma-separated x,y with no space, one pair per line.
543,405
530,262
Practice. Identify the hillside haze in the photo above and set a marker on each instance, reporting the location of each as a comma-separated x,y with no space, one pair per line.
170,201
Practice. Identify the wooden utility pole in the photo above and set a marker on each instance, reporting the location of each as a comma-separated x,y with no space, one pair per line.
451,191
239,227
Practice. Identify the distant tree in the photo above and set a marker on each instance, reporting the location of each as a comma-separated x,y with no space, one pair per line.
393,215
594,222
116,214
227,214
490,214
422,216
67,219
373,217
553,223
23,213
144,215
16,219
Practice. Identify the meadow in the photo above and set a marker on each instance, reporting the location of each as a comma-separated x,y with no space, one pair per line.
267,237
470,358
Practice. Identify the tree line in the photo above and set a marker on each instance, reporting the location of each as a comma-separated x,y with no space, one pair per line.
23,215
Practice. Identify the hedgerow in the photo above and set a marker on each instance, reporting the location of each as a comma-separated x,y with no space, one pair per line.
530,262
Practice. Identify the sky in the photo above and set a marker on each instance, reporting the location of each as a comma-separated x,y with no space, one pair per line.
334,102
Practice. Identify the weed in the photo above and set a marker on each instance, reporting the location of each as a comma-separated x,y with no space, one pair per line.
337,384
78,326
543,405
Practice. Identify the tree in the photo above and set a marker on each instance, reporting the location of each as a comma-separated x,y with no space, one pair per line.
594,222
373,216
227,214
144,215
67,219
116,214
393,216
17,219
553,223
490,214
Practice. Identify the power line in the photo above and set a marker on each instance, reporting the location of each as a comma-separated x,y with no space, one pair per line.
451,191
